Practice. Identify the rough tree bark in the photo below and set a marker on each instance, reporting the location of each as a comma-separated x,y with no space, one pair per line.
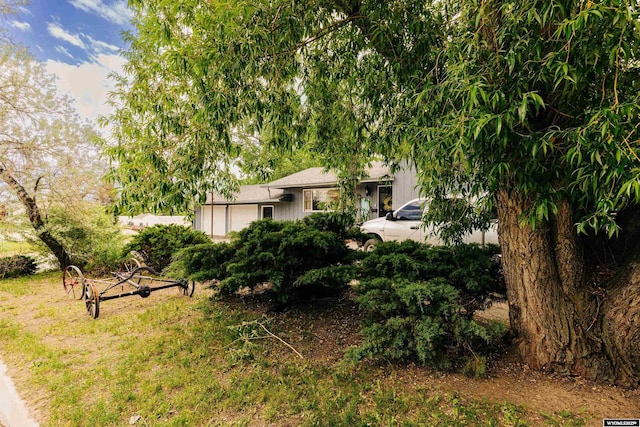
36,220
564,320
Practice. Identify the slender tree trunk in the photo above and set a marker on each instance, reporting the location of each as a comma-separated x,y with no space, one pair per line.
562,321
36,220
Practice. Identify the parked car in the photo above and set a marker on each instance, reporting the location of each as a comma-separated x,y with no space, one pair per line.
406,223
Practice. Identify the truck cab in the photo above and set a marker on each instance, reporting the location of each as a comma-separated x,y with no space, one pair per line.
406,223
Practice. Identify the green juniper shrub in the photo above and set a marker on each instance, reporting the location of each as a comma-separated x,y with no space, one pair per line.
204,261
340,223
331,277
419,302
334,222
298,260
17,266
157,245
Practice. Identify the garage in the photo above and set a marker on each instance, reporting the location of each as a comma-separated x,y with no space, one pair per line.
215,225
241,216
219,216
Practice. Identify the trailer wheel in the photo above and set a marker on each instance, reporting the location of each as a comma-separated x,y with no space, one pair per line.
92,301
73,282
129,265
187,287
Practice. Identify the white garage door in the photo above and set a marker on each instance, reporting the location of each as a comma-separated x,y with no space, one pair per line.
242,215
219,220
205,220
218,223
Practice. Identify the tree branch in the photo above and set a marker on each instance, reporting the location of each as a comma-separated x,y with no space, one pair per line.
320,34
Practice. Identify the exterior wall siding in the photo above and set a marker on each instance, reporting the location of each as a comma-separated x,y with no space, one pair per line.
405,186
289,211
197,219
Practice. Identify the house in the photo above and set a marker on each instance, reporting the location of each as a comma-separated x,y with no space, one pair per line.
303,193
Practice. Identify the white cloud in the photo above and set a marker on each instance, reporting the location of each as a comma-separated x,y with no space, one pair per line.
117,12
24,26
99,47
63,51
24,11
87,83
60,33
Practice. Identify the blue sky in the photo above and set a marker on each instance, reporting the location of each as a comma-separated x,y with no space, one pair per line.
71,31
79,41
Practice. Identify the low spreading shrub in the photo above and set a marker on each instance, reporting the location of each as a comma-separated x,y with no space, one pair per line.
157,245
17,266
297,259
203,262
419,302
340,223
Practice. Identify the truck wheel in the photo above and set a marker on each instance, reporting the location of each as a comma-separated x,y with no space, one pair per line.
370,245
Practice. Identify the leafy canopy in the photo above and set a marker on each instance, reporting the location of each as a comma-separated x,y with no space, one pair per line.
534,96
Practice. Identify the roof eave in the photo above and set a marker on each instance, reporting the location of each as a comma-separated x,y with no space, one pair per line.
243,202
326,184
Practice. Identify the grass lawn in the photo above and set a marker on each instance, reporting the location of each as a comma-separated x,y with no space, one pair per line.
170,360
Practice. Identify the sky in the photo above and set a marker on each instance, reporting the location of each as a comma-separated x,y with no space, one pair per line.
79,41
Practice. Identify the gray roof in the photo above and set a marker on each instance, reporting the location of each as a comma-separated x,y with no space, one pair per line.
249,194
317,177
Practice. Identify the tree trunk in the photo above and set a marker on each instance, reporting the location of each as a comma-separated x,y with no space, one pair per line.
35,218
621,324
562,320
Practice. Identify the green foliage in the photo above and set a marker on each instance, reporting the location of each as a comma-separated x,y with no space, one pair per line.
230,105
535,102
473,269
419,301
261,163
157,245
339,223
91,236
541,98
17,266
476,367
202,262
297,259
538,97
48,156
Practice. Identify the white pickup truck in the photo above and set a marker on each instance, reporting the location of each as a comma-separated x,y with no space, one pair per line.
405,223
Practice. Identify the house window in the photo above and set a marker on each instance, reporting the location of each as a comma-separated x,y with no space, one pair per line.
267,212
320,199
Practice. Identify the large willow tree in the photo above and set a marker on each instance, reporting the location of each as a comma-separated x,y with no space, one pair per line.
530,107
